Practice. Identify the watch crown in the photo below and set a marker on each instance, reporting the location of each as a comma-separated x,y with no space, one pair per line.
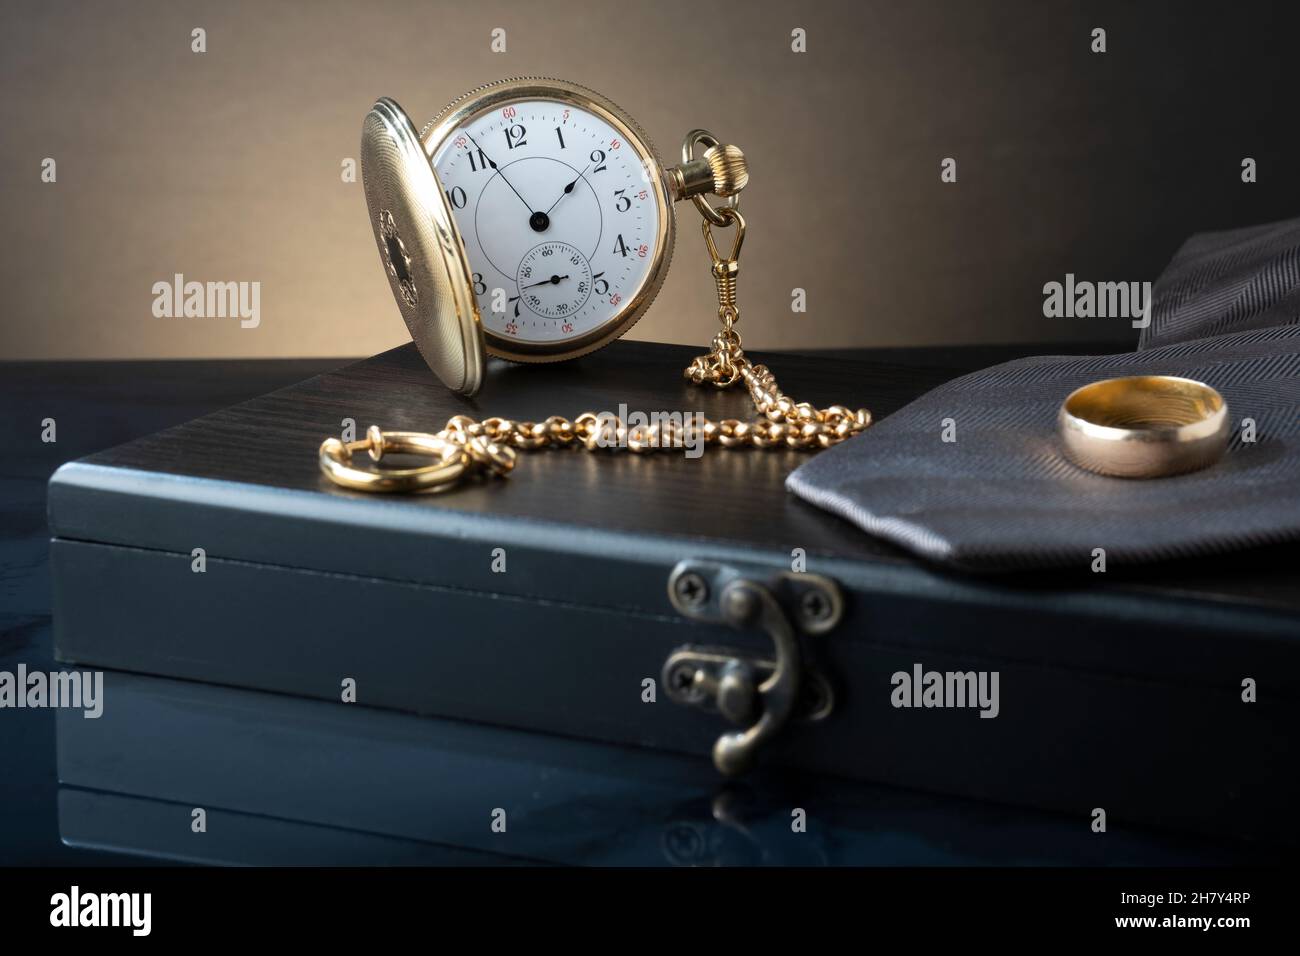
720,170
730,172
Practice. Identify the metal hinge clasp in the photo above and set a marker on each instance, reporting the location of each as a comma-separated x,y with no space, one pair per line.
761,694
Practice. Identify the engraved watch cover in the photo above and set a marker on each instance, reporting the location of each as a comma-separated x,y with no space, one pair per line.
421,248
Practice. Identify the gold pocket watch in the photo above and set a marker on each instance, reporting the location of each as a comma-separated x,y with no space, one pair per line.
532,220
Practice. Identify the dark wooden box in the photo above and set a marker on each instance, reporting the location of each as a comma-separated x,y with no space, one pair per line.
1120,691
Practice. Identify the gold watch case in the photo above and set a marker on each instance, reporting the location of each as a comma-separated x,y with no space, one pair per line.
504,92
421,246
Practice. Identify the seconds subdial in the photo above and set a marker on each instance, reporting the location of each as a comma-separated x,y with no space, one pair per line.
554,280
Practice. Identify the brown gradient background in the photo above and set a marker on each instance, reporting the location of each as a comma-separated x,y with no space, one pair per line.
226,165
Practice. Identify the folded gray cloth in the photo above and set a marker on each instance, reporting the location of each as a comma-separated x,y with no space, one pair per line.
1002,496
1227,282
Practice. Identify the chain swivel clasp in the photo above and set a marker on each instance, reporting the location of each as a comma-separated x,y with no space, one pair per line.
726,270
725,364
723,172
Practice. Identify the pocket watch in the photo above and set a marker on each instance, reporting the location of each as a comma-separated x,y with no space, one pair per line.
530,220
533,221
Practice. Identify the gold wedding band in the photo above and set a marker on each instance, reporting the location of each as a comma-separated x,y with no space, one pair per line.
1144,426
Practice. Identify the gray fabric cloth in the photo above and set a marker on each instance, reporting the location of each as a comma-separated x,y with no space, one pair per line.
1002,496
1227,282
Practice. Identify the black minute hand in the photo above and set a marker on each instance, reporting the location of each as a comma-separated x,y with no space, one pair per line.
499,172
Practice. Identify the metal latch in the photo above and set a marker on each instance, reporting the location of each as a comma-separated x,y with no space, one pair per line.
761,694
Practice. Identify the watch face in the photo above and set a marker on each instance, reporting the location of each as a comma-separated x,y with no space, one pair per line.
561,211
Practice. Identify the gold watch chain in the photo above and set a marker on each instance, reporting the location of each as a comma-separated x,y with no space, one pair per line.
466,446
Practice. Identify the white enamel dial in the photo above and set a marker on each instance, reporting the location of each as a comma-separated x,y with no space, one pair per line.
558,213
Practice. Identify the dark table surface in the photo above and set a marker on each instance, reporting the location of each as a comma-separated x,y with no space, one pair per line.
100,404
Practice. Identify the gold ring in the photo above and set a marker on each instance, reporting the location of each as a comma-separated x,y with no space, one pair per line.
1144,426
449,464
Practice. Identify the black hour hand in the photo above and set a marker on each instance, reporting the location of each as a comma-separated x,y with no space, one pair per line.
569,188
